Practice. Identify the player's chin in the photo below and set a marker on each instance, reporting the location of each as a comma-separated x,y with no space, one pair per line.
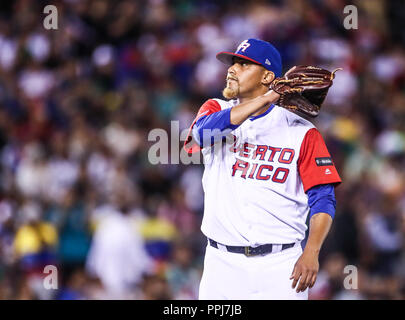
230,93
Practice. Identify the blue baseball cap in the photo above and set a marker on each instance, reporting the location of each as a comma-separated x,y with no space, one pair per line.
257,51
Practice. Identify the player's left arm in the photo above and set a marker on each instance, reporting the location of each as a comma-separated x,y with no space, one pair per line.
319,177
322,202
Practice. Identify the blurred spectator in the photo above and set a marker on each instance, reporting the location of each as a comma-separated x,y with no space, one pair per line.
182,275
159,233
75,287
155,287
35,240
117,255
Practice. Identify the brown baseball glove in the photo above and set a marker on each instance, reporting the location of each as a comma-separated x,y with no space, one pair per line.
303,89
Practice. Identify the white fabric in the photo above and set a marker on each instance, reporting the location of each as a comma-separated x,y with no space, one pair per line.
117,255
233,276
251,212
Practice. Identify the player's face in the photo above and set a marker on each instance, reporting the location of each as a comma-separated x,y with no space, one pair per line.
244,79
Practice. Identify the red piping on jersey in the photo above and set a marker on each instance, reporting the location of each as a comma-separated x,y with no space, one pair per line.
209,107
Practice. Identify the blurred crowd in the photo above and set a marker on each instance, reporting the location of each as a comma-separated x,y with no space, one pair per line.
77,104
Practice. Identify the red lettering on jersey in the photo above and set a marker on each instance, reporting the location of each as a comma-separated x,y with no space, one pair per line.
284,172
259,172
236,148
245,152
290,155
240,165
252,172
260,150
273,152
235,139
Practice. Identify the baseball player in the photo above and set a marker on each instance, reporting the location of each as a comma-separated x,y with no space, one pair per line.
266,169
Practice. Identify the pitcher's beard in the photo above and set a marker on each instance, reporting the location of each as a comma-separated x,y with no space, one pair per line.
230,93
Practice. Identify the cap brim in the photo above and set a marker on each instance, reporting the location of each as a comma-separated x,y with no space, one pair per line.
226,57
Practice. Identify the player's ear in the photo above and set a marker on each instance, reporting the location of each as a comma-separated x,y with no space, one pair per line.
268,77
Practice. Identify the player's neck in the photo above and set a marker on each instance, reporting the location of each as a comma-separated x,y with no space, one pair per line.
253,94
262,110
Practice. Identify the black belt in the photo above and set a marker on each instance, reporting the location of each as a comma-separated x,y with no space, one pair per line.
251,251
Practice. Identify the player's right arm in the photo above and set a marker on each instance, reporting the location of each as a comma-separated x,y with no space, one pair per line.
212,124
244,110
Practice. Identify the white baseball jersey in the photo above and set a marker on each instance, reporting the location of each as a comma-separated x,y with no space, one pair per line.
255,184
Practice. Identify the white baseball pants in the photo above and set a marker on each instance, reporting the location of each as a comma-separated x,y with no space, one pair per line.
234,276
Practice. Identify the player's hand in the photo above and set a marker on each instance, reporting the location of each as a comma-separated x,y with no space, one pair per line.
305,271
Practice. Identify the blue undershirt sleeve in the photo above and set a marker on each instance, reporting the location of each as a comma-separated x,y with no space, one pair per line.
212,128
321,198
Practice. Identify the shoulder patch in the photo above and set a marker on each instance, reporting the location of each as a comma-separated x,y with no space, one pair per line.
324,161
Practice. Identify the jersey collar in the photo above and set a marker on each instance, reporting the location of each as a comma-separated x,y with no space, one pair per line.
263,114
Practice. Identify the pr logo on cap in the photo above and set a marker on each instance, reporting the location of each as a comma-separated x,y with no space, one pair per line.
255,50
243,46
